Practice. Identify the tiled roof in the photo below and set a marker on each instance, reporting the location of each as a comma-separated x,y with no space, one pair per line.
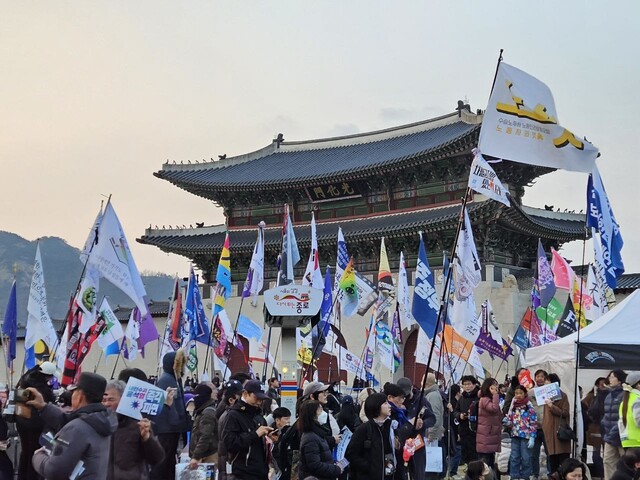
157,309
301,163
208,240
628,281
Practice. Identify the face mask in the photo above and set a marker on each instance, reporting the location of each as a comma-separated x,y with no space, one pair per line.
322,418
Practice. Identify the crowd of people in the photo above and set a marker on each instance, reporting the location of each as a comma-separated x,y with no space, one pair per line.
470,430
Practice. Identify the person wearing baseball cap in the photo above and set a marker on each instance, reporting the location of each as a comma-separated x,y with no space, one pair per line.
320,392
244,435
85,433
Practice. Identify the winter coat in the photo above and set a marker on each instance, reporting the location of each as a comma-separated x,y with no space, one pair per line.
435,400
202,442
222,450
609,423
36,379
130,456
348,417
623,472
246,451
171,419
463,405
83,436
413,408
366,450
555,416
489,425
523,420
316,458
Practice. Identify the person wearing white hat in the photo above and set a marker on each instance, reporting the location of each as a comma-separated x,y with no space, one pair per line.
30,429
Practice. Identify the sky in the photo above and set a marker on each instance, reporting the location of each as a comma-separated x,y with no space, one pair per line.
95,96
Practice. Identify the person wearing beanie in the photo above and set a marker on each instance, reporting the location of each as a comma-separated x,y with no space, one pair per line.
134,447
81,435
371,452
202,448
30,428
611,435
630,412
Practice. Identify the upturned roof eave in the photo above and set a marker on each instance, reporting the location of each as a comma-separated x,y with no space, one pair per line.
457,145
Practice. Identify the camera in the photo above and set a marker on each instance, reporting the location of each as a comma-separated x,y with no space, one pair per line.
22,395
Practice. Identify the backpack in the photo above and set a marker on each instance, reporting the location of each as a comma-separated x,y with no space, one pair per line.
474,412
286,452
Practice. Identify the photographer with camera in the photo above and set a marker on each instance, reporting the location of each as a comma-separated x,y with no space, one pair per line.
28,422
81,443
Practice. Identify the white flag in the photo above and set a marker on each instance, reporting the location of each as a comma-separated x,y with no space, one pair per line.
112,331
39,326
483,179
467,265
112,258
87,298
521,124
404,297
490,321
313,275
349,361
464,319
132,333
255,277
91,238
61,351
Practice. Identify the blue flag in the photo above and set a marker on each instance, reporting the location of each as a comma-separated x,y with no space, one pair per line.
10,325
248,329
30,358
600,216
194,312
425,300
112,349
327,302
546,285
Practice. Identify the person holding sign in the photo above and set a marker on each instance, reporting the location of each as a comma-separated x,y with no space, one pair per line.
133,446
80,448
556,415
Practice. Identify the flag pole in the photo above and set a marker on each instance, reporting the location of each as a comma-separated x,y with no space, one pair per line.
235,333
164,335
314,351
575,385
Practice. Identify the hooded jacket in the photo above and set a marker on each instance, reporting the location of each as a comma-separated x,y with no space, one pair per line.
246,451
204,433
130,456
84,436
171,419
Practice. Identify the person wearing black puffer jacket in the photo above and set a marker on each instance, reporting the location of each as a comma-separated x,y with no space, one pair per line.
315,455
244,436
611,435
470,391
627,467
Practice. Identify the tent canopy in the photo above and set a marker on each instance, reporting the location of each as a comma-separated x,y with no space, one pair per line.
607,343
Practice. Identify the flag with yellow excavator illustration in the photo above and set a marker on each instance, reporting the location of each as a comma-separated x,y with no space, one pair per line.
521,124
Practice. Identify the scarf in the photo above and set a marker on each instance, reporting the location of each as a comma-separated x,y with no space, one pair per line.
520,402
399,414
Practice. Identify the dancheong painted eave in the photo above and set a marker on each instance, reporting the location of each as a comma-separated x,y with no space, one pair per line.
282,165
532,221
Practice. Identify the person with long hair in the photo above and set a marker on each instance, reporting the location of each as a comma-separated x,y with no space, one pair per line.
315,455
556,415
522,422
610,434
489,431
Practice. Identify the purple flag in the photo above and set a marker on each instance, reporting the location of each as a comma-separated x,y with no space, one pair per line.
546,285
148,331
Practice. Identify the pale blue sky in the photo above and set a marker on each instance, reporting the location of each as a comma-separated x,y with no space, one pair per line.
95,96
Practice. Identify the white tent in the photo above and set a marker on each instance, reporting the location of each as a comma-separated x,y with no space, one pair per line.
606,344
